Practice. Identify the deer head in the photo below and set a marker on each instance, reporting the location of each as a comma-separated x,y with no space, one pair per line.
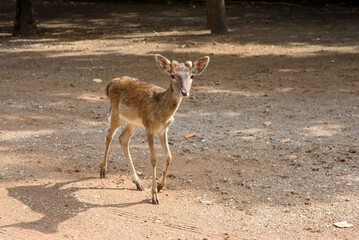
182,74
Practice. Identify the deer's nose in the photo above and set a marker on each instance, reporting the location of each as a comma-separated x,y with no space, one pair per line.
184,93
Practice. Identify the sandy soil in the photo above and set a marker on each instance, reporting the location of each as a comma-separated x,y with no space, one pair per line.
275,116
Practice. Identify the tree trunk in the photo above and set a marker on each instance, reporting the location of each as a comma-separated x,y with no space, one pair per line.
218,17
208,11
24,21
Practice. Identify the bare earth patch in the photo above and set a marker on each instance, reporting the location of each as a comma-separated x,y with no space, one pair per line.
275,118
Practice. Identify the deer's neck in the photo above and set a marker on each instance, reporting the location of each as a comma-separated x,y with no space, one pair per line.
170,99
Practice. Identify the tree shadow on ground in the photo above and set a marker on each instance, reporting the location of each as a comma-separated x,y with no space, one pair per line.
57,203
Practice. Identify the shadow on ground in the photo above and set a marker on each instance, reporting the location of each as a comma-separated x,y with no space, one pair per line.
56,203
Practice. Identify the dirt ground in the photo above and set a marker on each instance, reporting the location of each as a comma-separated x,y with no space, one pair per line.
275,116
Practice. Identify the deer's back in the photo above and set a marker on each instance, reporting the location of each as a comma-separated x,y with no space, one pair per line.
130,91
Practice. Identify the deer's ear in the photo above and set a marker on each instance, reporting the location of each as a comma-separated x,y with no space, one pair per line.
200,65
163,63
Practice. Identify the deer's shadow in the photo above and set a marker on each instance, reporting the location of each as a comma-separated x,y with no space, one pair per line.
56,203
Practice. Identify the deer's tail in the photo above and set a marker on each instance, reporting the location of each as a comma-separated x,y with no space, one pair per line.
108,95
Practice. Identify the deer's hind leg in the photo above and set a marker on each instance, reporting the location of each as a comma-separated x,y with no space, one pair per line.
115,123
124,139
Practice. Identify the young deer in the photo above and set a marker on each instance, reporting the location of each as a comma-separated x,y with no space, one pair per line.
148,106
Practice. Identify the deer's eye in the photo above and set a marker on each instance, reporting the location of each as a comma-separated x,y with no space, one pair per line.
192,76
173,76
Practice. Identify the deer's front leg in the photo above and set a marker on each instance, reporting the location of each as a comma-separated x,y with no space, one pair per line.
154,163
166,150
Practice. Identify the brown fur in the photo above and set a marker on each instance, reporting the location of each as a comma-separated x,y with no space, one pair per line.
148,106
154,105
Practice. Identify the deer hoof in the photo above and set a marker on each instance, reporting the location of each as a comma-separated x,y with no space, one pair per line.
102,172
139,185
155,200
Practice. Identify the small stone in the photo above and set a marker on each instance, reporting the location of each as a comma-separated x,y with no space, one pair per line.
97,80
343,224
285,140
186,150
307,198
206,202
267,124
352,150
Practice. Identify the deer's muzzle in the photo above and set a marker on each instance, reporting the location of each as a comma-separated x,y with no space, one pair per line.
184,93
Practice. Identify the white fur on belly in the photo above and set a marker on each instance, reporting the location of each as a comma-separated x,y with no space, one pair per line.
137,122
